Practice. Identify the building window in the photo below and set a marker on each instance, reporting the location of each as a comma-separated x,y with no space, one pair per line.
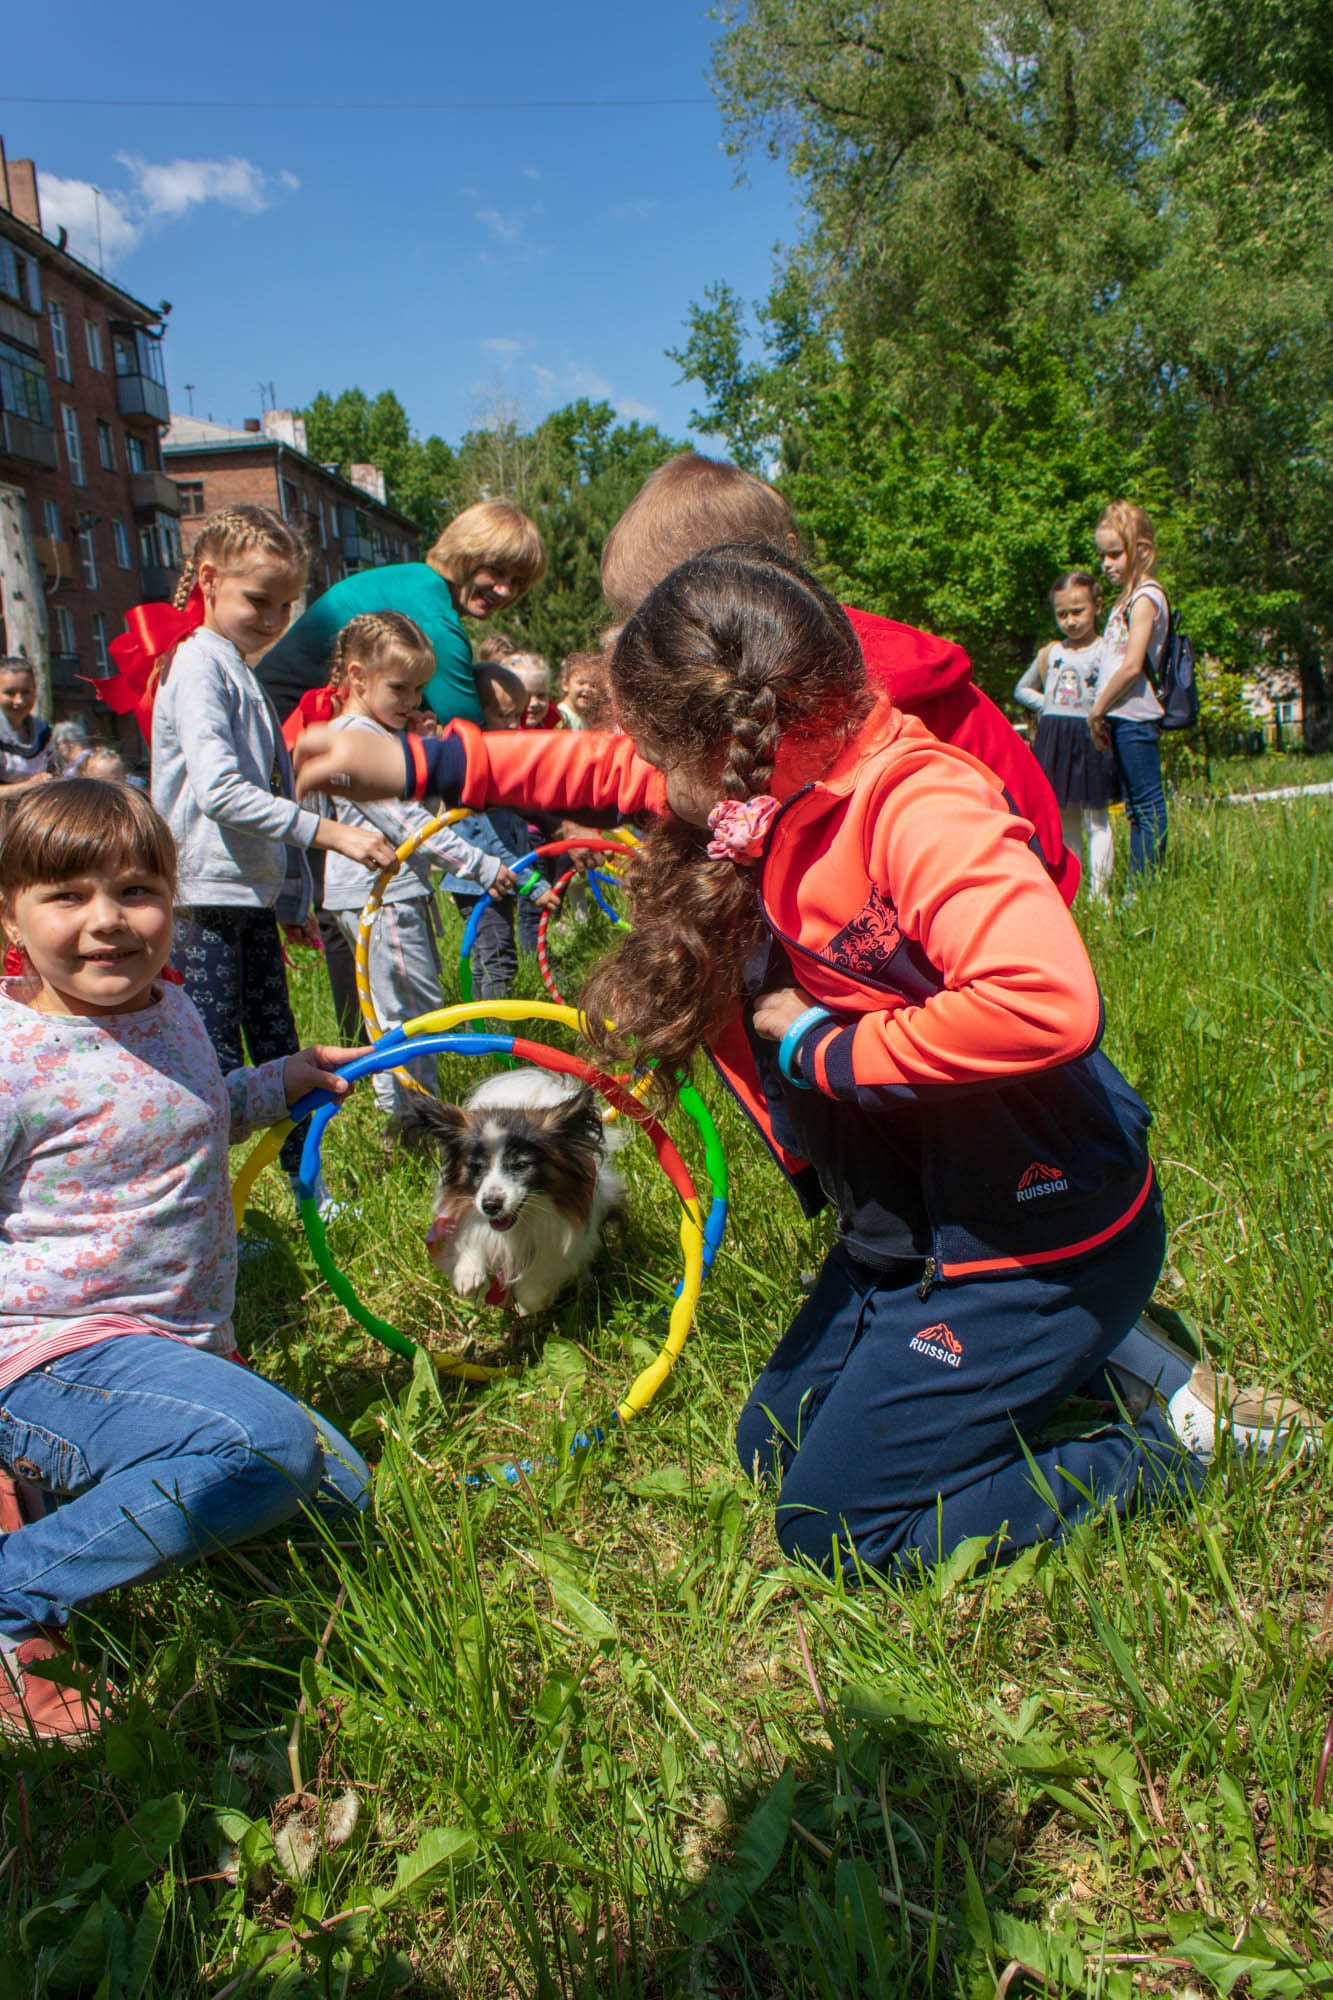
88,553
23,383
92,334
124,355
65,637
101,657
192,497
120,541
60,340
134,456
106,446
18,277
51,520
73,444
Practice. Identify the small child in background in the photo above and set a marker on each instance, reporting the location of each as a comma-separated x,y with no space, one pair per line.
222,781
494,648
1060,687
25,740
119,1396
105,763
381,662
539,711
585,691
502,832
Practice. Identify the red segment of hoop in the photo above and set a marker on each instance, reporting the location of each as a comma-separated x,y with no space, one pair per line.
543,961
668,1158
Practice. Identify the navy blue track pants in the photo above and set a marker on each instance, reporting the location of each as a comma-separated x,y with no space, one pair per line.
893,1423
230,959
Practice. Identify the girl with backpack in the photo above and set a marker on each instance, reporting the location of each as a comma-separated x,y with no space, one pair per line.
1126,715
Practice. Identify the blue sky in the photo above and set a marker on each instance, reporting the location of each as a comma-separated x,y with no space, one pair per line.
540,254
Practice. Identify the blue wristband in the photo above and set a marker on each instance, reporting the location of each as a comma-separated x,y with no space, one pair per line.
788,1046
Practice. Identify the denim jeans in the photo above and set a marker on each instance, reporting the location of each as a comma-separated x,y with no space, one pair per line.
1138,764
898,1427
161,1453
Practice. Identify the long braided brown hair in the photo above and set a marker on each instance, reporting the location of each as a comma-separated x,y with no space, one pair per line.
734,654
376,639
228,537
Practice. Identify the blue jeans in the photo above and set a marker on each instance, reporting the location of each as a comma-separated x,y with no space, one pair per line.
895,1423
161,1453
1138,764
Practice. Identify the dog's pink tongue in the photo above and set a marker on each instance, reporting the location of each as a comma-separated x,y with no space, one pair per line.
501,1221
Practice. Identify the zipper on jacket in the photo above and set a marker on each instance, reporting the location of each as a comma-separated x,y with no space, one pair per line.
929,1278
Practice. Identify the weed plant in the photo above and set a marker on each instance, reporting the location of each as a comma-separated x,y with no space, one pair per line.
599,1740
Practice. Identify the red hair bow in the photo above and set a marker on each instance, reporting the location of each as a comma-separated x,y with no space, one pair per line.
315,705
152,630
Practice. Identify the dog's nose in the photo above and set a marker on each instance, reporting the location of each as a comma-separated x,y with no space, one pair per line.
492,1204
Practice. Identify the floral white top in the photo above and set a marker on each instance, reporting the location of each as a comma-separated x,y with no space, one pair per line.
114,1194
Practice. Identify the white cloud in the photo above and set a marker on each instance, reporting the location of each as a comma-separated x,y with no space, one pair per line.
532,173
504,228
633,410
101,231
634,208
500,345
159,192
587,382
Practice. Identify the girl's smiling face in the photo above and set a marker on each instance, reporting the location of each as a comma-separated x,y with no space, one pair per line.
18,693
97,941
252,605
391,694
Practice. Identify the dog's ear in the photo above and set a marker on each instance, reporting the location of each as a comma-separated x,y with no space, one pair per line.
443,1124
578,1122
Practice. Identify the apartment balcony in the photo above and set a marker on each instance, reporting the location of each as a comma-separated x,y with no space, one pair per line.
358,551
64,670
140,396
20,325
154,493
159,582
30,443
56,559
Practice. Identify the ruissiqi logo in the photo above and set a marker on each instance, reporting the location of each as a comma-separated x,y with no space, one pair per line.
940,1342
1039,1179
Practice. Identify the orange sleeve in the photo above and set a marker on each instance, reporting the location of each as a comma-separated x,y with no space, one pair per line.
1019,993
557,770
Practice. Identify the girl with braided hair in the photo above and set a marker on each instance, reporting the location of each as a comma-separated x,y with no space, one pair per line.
221,778
381,662
845,914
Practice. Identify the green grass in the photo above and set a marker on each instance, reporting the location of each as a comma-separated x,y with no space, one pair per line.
604,1743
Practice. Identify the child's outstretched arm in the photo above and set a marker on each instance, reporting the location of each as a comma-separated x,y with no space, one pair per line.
544,770
261,1096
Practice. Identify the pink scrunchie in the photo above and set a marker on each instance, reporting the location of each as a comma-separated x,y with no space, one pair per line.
740,828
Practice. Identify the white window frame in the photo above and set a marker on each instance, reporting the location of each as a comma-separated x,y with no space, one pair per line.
120,537
134,448
67,636
69,419
106,445
88,556
55,313
101,657
51,520
92,335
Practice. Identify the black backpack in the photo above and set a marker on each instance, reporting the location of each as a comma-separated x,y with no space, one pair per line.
1173,678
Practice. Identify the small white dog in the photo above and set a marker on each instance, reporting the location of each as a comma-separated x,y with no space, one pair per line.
524,1187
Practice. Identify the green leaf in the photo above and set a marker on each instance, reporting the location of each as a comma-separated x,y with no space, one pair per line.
146,1938
587,1618
433,1857
764,1836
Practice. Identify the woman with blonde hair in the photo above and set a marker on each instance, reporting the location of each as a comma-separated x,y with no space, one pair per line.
483,561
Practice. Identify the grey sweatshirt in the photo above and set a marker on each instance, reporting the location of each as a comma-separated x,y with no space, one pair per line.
222,779
347,884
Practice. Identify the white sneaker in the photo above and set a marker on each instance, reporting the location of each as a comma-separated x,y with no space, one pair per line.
1148,1363
325,1206
1210,1406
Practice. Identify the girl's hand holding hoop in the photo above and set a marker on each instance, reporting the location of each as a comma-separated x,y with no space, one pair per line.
316,1068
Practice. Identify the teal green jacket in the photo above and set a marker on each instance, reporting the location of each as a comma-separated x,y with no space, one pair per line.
300,660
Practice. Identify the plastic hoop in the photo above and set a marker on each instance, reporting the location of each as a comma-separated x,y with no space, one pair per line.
700,1237
543,953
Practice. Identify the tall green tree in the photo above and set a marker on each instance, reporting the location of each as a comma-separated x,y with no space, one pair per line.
355,429
1133,193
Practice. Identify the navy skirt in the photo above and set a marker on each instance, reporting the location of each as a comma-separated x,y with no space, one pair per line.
1080,773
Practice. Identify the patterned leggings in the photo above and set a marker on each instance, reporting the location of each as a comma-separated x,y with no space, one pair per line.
230,960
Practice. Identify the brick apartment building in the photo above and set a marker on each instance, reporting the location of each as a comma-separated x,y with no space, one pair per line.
88,516
346,522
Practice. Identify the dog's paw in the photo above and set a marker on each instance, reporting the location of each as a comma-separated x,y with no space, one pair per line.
469,1276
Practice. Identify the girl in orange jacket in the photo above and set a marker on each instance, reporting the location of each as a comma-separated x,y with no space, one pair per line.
845,913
